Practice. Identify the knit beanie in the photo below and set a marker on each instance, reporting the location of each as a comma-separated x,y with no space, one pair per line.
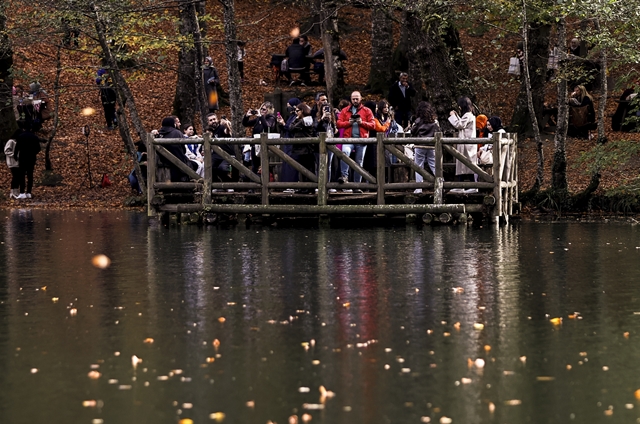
169,122
294,101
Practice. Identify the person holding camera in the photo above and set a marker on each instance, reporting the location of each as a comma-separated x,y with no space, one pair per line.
325,122
357,121
261,120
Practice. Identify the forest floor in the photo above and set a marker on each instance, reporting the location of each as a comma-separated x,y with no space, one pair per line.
266,29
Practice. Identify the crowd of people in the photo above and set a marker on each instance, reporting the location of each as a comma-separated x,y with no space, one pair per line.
352,119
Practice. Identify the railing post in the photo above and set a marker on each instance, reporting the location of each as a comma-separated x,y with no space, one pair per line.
151,174
438,140
208,171
380,167
497,180
322,169
264,164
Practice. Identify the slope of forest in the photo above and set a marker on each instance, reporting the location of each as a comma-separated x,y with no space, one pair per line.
266,28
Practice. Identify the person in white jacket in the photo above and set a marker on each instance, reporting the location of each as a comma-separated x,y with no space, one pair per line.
14,167
466,126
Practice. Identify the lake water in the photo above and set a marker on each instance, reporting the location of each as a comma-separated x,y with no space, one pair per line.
398,325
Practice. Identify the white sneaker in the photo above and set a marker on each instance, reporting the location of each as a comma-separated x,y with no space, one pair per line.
471,190
230,190
28,195
456,190
215,190
21,196
289,191
347,190
417,191
333,190
316,190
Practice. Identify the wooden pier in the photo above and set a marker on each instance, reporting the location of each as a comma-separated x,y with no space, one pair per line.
496,198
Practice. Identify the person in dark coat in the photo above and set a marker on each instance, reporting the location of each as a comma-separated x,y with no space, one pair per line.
302,127
288,174
169,130
261,120
108,100
400,94
211,81
26,151
222,169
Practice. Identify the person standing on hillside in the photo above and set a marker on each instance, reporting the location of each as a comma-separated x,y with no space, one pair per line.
108,100
211,81
26,151
400,95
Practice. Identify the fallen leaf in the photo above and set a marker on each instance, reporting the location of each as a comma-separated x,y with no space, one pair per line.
101,261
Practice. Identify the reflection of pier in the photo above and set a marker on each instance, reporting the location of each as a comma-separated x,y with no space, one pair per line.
496,188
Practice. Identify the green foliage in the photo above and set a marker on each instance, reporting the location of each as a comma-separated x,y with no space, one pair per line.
608,155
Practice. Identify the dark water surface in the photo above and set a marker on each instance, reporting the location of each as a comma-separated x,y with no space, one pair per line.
388,319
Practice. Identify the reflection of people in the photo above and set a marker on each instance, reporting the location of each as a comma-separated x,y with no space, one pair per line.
211,82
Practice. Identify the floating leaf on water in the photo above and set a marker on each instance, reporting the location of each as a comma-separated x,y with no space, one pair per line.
513,402
478,326
217,416
628,405
210,359
346,304
608,412
583,354
465,380
186,421
479,363
505,372
222,319
34,370
293,419
445,420
456,326
55,299
625,334
306,418
556,321
637,394
312,406
251,404
446,334
569,367
387,366
545,378
605,368
94,375
425,419
135,361
187,405
523,359
315,362
101,261
406,370
458,290
304,389
89,403
148,340
73,312
124,387
216,344
492,407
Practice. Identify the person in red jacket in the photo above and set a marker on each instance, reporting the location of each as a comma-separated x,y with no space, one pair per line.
357,121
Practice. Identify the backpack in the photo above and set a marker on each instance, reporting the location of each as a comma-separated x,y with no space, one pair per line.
284,65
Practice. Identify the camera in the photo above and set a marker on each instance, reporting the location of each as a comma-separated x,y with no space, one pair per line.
254,112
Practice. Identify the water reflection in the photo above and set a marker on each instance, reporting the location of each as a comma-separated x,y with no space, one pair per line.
388,319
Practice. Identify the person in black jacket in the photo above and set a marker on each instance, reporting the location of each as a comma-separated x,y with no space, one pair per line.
425,125
302,127
169,130
108,100
222,169
400,94
26,151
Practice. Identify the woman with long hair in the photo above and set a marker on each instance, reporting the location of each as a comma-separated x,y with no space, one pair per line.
465,123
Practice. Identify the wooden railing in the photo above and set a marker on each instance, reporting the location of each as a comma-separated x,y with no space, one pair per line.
502,180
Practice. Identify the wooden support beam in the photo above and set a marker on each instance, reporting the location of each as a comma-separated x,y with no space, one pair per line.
236,163
456,154
323,170
497,166
352,164
380,168
438,191
177,162
208,172
438,152
327,209
410,163
264,164
288,159
151,175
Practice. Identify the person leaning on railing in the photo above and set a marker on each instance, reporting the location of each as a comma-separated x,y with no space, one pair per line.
465,123
325,122
261,120
302,127
169,130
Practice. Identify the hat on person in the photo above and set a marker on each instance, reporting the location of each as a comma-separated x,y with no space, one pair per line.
101,72
294,101
168,122
481,121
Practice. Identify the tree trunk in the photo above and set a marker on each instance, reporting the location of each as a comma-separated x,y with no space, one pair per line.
602,106
198,65
8,123
184,101
436,52
538,48
121,82
333,67
380,72
231,51
56,107
559,167
125,98
530,103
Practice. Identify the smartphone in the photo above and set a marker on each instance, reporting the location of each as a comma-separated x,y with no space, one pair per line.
355,116
279,116
326,108
254,112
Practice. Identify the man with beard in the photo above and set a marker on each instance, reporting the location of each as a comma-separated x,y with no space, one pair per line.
170,130
222,169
